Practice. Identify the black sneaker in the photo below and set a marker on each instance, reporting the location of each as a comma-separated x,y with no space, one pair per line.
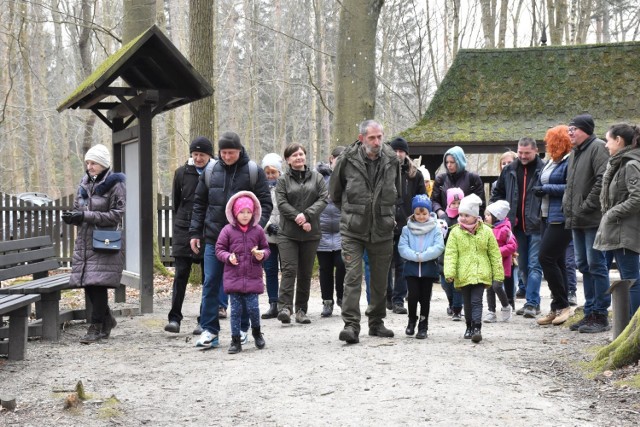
476,336
173,327
573,299
456,317
468,333
579,323
596,324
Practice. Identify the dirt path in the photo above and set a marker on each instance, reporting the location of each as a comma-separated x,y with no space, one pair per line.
520,373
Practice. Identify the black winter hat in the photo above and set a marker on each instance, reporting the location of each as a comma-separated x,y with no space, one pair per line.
400,144
201,144
584,122
229,141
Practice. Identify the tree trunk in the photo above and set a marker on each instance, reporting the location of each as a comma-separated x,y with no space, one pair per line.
488,19
139,15
623,351
355,81
502,28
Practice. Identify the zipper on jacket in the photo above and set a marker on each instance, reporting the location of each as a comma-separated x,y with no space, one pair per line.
524,198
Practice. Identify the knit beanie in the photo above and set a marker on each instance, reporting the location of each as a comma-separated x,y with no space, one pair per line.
584,122
421,201
272,159
242,202
470,205
400,144
201,144
229,141
337,151
99,154
499,209
425,173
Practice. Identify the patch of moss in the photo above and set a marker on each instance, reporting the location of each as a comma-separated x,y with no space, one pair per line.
633,382
110,409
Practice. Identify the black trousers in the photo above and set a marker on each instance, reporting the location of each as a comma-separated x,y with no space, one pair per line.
419,289
99,297
472,297
180,280
553,249
331,270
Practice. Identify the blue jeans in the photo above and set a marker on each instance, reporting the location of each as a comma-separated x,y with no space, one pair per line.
271,268
454,296
628,263
572,280
367,274
396,282
592,264
529,265
212,291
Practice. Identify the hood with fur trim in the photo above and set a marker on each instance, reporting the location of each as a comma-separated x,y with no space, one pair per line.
257,209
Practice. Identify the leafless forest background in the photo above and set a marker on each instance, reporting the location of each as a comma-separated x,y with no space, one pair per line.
273,69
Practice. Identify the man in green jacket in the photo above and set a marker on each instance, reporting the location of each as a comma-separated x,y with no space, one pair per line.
365,186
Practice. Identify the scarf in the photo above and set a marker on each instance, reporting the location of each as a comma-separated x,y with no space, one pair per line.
612,168
470,228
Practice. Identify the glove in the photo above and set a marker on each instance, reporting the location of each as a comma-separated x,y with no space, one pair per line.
539,192
272,230
73,218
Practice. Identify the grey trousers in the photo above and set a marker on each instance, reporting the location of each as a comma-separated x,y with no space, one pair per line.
379,261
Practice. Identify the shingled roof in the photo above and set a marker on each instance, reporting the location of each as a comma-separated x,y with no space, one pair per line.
494,96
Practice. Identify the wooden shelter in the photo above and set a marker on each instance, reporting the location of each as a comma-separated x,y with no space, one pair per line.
490,98
146,77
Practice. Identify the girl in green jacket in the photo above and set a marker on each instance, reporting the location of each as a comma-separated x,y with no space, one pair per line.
472,261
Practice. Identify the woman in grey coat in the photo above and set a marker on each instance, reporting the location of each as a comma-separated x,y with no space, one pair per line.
99,203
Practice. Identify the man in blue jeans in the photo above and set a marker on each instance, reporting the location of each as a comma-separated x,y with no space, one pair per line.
515,185
231,173
581,207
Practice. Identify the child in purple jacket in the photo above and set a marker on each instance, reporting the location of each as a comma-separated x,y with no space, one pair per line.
242,246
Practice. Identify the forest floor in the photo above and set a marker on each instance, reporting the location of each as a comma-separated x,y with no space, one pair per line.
142,376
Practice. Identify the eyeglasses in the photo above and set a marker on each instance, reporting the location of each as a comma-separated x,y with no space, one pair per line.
572,129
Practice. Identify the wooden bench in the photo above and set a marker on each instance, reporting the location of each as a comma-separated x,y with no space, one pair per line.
35,256
17,307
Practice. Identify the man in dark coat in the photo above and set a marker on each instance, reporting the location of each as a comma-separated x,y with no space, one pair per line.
185,181
230,174
412,185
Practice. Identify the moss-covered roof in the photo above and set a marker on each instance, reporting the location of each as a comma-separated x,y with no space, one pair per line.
498,95
150,61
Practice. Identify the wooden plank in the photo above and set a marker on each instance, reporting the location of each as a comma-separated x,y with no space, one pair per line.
46,285
19,244
24,270
9,303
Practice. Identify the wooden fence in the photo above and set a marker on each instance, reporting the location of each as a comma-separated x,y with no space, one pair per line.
22,219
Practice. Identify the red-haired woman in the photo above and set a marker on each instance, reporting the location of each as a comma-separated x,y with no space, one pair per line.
555,238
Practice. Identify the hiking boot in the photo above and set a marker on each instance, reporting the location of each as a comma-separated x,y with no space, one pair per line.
197,330
236,345
301,317
457,314
327,308
505,313
389,305
572,298
222,313
562,316
172,326
93,334
257,335
521,294
399,309
548,319
284,315
490,317
380,331
529,312
349,335
109,323
207,339
476,336
579,323
468,332
597,323
272,313
411,327
422,329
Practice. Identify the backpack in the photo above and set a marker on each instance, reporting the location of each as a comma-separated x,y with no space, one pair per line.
253,173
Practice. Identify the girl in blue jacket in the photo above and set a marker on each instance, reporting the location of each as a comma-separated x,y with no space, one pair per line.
421,243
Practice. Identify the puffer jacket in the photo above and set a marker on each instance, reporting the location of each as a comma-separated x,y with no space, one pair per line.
581,201
367,208
620,225
246,277
298,193
507,189
412,185
329,218
420,242
226,180
103,203
507,243
554,190
185,181
472,259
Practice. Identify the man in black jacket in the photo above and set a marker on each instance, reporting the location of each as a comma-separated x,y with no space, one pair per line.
185,181
412,184
230,174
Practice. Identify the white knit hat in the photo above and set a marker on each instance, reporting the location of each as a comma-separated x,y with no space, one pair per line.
470,205
99,154
425,173
274,160
499,209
